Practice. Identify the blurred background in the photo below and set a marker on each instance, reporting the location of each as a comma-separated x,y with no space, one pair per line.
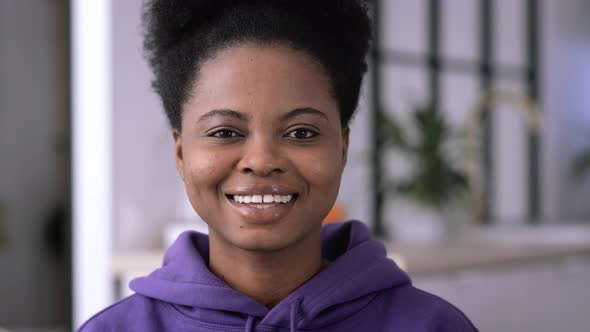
469,158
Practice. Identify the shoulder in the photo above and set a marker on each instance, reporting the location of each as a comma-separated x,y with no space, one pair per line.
122,315
435,313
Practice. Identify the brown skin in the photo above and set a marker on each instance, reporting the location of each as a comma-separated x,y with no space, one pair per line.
303,154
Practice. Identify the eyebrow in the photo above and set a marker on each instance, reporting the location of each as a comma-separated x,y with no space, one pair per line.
225,112
302,111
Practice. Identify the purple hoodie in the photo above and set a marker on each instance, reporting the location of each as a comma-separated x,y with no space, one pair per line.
361,290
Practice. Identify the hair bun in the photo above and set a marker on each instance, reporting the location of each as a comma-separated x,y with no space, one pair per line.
180,34
172,20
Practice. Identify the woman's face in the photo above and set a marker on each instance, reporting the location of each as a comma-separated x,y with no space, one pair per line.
262,149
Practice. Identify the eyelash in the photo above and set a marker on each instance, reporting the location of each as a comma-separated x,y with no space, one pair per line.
222,134
311,133
217,133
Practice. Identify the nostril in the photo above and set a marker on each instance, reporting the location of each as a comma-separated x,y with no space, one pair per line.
262,170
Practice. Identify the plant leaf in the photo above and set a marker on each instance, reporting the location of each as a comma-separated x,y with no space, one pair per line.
392,131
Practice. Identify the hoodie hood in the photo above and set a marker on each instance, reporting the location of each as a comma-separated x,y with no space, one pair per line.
359,270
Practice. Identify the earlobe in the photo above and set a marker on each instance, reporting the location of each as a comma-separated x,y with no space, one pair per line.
178,153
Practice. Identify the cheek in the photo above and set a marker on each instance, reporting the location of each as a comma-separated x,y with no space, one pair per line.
323,171
205,170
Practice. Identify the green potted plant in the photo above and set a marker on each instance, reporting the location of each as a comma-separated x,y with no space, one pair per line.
433,183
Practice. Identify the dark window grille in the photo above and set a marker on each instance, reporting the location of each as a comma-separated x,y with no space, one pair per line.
485,69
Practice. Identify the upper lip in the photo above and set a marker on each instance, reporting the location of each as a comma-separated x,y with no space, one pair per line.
261,189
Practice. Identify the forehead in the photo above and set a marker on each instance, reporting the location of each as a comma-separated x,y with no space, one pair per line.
257,76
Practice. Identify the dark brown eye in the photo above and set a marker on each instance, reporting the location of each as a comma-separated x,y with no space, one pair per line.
302,133
224,133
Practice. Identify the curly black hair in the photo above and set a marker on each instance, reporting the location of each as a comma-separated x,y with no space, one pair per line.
180,34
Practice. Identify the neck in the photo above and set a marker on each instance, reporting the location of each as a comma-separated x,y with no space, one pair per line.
267,277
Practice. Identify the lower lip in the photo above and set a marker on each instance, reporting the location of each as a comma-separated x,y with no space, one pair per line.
265,213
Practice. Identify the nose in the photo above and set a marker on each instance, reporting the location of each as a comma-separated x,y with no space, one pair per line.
262,157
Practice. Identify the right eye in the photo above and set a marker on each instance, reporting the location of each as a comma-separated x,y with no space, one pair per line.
224,133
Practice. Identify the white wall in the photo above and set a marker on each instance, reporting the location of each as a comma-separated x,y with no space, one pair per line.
92,179
148,193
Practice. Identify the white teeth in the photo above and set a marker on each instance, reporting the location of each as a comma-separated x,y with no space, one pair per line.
257,199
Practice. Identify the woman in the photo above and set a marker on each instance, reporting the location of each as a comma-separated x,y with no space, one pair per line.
259,94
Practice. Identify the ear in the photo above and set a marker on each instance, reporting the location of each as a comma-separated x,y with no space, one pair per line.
345,140
178,152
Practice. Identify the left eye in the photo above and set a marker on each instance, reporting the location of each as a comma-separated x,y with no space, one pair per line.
302,133
224,133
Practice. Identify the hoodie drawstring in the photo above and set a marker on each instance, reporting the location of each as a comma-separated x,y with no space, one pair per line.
249,327
294,312
249,324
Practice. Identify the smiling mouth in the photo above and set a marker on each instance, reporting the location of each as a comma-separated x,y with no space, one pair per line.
262,201
262,207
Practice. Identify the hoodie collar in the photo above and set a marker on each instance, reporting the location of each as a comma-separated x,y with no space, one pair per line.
359,269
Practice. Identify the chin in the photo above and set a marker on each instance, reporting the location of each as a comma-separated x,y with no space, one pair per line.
270,237
256,241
